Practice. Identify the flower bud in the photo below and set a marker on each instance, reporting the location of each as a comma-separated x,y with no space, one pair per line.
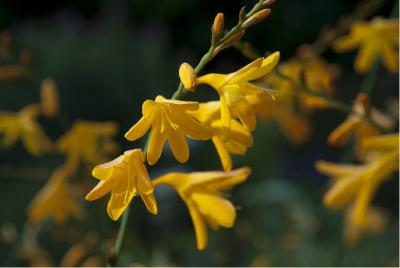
256,18
268,2
188,76
49,98
218,27
230,41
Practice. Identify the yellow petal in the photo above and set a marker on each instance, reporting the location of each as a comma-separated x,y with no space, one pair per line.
104,171
365,58
178,145
215,207
246,72
343,191
337,170
362,204
225,117
222,153
139,129
214,80
346,43
266,67
190,127
150,202
200,227
101,189
383,142
156,142
218,179
343,132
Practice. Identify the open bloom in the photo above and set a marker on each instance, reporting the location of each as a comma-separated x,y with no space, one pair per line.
238,140
89,141
377,38
358,183
235,87
169,120
55,200
202,193
125,177
23,125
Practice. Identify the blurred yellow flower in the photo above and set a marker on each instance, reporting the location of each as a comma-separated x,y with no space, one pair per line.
377,38
55,200
360,123
169,120
238,140
125,177
359,182
235,87
375,223
89,141
202,193
23,125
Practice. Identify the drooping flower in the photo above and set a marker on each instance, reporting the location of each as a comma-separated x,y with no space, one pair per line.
55,200
169,120
202,193
360,123
378,38
23,126
89,141
238,140
125,177
359,183
234,89
49,98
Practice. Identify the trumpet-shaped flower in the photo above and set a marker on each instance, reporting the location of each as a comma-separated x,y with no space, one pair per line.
55,200
125,177
377,38
235,87
238,140
89,141
169,120
23,125
202,193
359,182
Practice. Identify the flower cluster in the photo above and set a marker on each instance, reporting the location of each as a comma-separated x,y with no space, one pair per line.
228,123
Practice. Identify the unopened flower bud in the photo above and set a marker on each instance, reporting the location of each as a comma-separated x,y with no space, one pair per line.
256,18
188,76
268,2
230,41
49,98
218,27
242,14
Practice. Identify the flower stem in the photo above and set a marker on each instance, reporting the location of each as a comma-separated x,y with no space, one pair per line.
113,257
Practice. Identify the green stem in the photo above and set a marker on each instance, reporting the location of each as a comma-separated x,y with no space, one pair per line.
368,82
113,258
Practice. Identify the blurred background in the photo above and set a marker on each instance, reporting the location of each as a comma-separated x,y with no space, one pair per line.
106,58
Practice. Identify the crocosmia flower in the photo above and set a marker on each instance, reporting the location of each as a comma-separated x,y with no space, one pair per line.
235,87
202,193
169,120
125,177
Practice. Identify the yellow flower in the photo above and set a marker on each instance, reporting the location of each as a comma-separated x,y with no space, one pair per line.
125,177
234,89
202,193
89,141
376,223
169,120
23,125
238,140
360,182
55,200
377,38
355,124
